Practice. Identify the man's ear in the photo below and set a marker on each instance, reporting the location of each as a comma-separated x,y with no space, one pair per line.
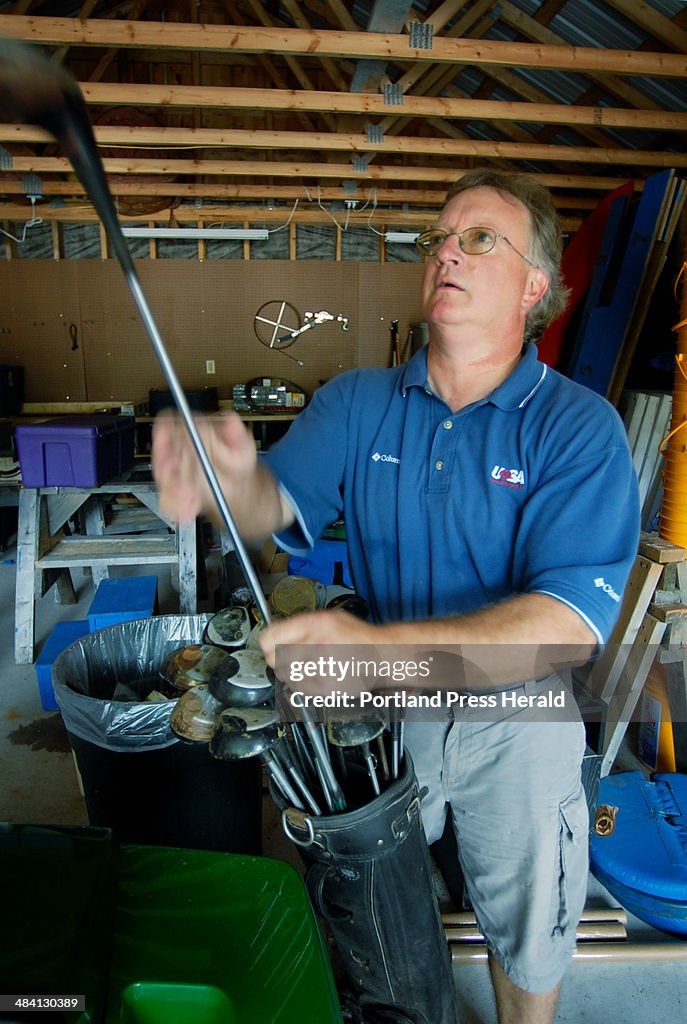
536,288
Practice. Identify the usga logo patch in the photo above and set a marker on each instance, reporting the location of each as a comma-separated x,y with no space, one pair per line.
508,477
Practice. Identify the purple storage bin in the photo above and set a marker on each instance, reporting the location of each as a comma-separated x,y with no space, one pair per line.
75,451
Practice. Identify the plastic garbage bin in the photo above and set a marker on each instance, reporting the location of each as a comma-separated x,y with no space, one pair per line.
139,779
210,938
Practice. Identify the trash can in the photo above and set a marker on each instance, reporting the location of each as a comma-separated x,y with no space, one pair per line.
139,778
209,938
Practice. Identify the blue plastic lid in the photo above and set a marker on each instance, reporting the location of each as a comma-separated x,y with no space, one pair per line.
647,851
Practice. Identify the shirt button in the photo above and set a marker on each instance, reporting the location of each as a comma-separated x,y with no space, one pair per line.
448,424
439,465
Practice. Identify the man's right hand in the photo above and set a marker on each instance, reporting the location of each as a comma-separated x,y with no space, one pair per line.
183,490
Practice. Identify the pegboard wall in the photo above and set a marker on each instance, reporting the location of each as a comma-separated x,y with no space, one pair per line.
74,326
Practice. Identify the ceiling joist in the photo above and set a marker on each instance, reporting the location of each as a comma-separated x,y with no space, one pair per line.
329,43
288,100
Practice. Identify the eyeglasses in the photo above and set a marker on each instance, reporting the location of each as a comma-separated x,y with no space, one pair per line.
473,241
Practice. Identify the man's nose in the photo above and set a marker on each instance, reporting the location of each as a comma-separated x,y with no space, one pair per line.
449,251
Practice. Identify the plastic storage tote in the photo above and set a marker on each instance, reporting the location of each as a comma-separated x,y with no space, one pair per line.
75,451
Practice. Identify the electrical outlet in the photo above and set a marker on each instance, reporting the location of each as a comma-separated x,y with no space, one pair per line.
209,365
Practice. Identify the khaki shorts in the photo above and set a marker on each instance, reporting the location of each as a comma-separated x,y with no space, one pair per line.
521,822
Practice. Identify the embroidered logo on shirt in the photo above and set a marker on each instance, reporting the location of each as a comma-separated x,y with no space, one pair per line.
600,582
384,458
508,477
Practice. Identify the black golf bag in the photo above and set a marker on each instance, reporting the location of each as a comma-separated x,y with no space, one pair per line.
369,876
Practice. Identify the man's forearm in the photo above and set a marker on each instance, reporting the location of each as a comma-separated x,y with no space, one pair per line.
526,637
259,510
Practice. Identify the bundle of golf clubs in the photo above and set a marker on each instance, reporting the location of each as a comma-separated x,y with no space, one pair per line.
36,91
234,706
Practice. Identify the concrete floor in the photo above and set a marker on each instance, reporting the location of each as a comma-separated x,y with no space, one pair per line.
39,786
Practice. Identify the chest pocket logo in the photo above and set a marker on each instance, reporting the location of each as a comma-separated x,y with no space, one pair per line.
508,477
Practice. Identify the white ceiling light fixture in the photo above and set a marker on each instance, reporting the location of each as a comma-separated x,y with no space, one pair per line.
241,234
404,237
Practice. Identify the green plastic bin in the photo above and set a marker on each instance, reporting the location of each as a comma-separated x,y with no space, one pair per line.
216,938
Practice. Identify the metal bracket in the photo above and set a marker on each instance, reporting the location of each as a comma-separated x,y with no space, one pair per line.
374,133
393,94
420,35
360,164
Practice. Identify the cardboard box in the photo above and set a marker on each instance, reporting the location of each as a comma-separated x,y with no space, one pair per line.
272,559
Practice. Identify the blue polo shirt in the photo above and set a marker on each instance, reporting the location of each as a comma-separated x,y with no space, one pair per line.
530,490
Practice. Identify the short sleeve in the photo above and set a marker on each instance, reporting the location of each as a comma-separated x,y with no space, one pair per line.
309,463
578,534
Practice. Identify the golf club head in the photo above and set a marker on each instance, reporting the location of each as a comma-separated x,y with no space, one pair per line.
251,683
245,732
351,732
34,90
195,715
198,663
229,628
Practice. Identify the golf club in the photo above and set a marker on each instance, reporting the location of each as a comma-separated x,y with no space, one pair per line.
34,90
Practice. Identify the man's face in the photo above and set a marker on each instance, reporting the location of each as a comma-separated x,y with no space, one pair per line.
490,291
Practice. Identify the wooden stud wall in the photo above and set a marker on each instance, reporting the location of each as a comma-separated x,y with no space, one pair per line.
204,311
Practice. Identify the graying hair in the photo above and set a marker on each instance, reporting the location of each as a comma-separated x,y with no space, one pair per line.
546,246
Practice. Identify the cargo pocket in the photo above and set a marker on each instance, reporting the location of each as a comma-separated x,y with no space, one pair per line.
573,859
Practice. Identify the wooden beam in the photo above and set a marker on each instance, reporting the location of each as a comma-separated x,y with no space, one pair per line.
342,14
326,43
211,97
268,66
329,65
84,213
652,21
296,68
299,169
540,35
218,138
80,212
260,190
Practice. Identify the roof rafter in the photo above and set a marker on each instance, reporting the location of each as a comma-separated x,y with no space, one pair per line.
327,43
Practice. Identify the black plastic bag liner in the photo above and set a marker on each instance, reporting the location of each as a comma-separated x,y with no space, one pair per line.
101,681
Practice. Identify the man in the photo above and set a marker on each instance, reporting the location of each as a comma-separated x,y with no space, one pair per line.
487,501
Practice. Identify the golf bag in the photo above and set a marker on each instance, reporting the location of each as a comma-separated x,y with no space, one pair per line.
369,876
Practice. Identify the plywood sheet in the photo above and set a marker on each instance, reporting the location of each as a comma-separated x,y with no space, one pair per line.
40,303
204,311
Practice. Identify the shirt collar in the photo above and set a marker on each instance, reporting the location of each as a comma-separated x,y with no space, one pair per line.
514,393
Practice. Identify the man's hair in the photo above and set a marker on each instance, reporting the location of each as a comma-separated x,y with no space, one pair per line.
546,246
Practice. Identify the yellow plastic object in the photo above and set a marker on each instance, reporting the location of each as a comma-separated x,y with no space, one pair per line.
656,746
673,525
